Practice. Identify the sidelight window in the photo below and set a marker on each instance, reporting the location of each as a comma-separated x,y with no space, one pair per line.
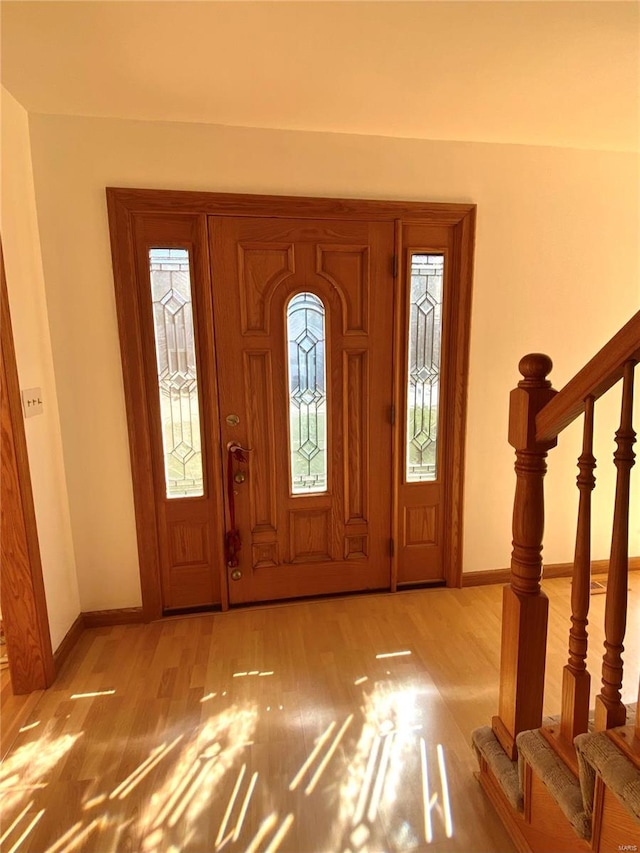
307,394
423,391
177,374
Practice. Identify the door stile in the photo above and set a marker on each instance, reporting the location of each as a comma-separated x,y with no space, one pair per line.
458,361
211,402
396,414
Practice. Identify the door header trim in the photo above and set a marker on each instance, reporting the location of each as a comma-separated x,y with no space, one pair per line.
274,206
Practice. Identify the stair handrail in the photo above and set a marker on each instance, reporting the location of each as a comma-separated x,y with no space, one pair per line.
593,380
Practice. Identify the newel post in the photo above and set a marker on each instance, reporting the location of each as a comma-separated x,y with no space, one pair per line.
524,605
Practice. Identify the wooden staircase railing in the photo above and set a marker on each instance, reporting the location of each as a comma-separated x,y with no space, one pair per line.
576,681
537,415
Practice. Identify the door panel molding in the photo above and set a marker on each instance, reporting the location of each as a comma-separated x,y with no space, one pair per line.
455,221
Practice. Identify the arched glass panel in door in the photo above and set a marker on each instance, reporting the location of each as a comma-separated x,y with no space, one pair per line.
306,348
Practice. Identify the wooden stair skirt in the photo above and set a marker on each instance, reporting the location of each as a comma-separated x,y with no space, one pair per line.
547,808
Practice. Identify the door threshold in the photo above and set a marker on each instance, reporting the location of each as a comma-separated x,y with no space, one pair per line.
199,610
337,596
407,587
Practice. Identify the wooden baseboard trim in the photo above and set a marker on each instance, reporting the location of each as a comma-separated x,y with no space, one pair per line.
66,646
565,570
486,578
105,618
550,571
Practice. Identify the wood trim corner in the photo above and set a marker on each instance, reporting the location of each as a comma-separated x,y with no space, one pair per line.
68,643
23,598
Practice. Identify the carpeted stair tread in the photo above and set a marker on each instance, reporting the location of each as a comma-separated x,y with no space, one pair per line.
598,753
558,779
485,743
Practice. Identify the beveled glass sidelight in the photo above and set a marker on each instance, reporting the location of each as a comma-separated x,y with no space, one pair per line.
423,387
177,372
307,394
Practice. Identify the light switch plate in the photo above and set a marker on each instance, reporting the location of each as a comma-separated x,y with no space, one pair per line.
32,401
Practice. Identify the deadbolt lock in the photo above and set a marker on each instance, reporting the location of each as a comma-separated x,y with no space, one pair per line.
232,420
239,477
236,574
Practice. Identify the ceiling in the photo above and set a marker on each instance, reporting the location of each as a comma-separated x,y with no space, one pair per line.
542,73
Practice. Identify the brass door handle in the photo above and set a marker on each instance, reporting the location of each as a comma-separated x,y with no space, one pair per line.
234,447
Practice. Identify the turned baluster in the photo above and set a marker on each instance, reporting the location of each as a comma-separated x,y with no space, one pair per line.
524,606
610,711
576,681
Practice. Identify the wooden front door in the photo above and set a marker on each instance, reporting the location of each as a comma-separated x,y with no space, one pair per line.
327,337
303,316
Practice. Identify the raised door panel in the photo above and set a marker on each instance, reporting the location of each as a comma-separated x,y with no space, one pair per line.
347,268
261,268
261,432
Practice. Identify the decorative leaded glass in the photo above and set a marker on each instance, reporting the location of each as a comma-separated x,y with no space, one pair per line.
425,334
307,394
177,376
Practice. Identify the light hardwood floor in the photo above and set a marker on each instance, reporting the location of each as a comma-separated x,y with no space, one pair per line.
278,729
13,711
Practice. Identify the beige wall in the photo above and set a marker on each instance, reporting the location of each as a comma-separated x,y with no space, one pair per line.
556,271
28,307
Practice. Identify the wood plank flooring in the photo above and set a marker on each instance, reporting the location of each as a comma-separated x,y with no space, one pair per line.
282,728
14,711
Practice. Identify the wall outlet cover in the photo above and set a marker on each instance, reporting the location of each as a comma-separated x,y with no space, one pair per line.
31,401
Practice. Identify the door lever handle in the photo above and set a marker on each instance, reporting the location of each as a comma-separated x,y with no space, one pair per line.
237,451
234,447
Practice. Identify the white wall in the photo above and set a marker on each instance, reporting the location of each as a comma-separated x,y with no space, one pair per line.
556,271
25,285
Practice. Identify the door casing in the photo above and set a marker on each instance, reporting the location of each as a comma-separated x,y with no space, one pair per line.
128,206
24,606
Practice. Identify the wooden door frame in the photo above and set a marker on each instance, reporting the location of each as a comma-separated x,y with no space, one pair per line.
123,206
24,606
